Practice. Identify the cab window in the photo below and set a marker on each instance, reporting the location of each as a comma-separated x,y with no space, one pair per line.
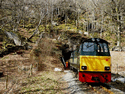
100,47
88,47
105,47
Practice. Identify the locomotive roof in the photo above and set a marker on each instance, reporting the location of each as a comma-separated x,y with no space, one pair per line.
96,40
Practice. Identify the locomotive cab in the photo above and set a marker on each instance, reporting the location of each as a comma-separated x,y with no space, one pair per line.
92,47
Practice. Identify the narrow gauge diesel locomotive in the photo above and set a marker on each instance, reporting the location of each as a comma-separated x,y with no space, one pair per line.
92,61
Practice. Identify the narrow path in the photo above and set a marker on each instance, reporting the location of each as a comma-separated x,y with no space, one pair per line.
74,83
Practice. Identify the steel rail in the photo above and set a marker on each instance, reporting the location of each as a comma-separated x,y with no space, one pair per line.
110,92
103,88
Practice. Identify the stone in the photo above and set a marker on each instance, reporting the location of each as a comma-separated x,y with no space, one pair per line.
14,37
54,23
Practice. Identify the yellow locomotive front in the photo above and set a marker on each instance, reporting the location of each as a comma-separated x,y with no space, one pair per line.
95,69
94,61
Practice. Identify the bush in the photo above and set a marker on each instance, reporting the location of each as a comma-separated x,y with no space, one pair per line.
37,52
40,54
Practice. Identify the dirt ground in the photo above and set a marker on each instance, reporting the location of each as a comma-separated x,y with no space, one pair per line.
17,76
118,62
22,79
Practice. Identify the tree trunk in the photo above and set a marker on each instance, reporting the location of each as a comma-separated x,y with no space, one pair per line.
1,3
119,32
101,24
52,14
37,27
119,37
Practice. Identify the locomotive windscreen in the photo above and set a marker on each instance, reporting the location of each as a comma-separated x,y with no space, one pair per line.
88,47
95,49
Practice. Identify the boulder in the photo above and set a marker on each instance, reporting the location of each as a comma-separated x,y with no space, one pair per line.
14,37
117,48
123,48
54,23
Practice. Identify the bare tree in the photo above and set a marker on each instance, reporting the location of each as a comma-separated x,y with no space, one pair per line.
1,3
112,9
117,12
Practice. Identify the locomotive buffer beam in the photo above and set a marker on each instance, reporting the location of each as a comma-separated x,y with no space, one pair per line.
95,78
104,77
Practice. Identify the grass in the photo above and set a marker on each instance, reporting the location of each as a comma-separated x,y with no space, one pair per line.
4,58
43,83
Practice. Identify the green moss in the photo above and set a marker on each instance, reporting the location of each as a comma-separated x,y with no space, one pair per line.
41,28
5,58
66,27
95,35
107,37
80,27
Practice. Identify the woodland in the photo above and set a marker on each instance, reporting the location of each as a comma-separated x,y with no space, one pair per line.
34,32
95,18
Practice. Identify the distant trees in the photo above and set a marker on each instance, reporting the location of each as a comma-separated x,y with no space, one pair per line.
99,15
19,11
105,14
116,11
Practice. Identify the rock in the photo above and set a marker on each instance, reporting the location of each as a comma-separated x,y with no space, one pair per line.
14,37
54,40
123,48
117,48
86,33
54,23
118,79
30,47
121,80
121,73
80,32
57,69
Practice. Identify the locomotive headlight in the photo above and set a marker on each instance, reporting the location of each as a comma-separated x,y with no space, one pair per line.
107,68
84,67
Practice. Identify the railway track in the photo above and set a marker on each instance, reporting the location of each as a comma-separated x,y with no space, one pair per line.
100,89
76,87
110,92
